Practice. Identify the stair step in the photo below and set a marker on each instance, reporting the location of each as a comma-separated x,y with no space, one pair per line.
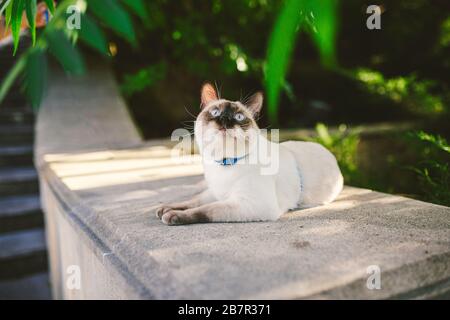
14,97
16,93
16,116
13,134
16,155
22,253
33,287
20,212
8,60
18,180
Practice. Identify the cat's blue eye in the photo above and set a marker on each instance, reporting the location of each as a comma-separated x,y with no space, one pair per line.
215,112
239,116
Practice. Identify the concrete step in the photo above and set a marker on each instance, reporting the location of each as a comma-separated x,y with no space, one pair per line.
20,212
33,287
16,116
7,61
16,133
18,180
16,155
22,253
13,98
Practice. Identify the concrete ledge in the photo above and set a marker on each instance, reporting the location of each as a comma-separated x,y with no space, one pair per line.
100,185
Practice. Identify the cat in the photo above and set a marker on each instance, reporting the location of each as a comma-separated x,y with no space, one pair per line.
235,187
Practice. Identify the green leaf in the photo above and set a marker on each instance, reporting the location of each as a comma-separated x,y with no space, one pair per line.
4,6
50,6
320,16
281,44
8,13
138,7
92,35
322,132
115,17
31,9
36,77
325,23
436,140
16,21
67,55
12,76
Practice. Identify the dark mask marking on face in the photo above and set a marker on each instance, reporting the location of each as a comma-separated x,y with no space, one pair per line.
226,119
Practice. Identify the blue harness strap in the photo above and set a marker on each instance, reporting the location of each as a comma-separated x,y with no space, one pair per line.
229,161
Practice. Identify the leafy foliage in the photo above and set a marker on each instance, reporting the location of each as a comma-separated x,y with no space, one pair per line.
142,79
63,50
317,17
295,14
4,6
138,7
344,145
433,170
115,17
416,95
93,35
31,10
36,76
437,141
279,52
59,40
17,7
50,5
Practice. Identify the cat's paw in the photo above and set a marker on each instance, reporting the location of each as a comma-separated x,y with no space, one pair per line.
162,209
172,217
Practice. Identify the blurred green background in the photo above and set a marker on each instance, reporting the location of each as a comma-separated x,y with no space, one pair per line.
379,99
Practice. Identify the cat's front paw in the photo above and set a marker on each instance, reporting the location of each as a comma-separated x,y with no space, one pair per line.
172,218
162,209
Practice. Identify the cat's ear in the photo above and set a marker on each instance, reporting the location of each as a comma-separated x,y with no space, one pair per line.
255,102
208,94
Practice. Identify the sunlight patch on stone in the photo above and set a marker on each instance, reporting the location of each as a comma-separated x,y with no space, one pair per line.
97,180
109,168
147,152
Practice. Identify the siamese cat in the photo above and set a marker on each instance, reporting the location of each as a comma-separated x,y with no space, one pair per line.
236,187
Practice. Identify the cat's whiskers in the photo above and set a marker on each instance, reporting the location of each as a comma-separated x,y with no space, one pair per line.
218,90
188,123
244,100
189,113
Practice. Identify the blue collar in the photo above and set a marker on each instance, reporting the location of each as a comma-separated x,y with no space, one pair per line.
229,161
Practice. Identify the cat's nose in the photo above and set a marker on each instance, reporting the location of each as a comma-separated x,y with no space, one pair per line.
225,116
226,121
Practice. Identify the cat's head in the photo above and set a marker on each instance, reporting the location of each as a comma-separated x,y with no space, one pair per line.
227,125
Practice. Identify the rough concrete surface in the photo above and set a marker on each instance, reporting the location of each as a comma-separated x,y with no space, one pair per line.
99,197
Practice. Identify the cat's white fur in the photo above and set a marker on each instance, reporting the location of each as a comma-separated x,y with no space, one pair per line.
308,175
